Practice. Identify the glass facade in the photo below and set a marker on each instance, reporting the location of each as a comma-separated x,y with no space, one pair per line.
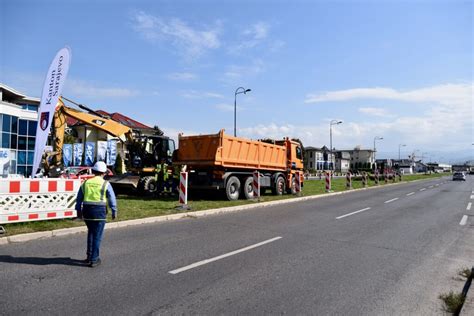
17,135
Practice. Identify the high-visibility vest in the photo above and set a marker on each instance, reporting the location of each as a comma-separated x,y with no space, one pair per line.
94,191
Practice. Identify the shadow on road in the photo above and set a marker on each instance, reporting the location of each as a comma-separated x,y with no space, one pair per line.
43,261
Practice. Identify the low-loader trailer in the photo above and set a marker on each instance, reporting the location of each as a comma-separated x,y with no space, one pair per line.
224,162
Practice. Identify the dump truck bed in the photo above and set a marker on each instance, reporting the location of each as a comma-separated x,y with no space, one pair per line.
221,150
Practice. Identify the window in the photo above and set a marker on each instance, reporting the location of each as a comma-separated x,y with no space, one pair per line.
30,157
6,123
31,143
14,125
13,141
22,143
23,127
22,157
310,154
32,128
299,154
5,140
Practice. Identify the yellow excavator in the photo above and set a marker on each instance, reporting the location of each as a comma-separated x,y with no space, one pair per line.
143,150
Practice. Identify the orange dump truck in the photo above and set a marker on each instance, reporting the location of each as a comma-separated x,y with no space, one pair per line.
224,162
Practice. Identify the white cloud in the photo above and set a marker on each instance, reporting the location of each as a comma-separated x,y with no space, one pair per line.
257,31
235,72
255,35
444,94
182,76
440,116
375,112
191,42
193,94
85,89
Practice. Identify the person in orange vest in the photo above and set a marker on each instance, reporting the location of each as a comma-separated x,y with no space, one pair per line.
91,205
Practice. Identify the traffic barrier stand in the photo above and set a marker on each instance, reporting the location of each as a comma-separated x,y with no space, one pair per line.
348,181
27,200
394,178
400,176
256,185
364,179
376,175
183,191
385,178
297,183
328,182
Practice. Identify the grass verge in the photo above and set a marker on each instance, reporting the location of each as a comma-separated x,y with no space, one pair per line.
452,302
133,207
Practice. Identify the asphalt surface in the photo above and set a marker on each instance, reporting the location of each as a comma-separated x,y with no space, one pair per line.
387,251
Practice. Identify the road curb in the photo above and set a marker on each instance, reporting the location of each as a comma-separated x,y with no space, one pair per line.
196,214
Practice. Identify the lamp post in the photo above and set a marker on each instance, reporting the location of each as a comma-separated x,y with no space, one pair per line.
400,145
238,91
333,122
376,138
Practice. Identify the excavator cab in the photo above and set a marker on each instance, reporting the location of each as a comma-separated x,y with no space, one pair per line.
148,150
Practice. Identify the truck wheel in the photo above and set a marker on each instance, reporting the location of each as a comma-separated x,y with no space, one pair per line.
232,188
147,185
248,188
279,186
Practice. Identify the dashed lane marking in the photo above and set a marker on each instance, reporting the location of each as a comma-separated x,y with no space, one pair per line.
390,201
359,211
468,208
463,220
423,189
411,193
203,262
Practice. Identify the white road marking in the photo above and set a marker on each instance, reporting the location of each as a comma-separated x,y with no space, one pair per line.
203,262
472,197
423,189
436,185
430,187
463,220
389,201
362,210
468,208
411,193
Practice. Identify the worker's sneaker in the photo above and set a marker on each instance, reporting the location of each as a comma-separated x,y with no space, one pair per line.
94,264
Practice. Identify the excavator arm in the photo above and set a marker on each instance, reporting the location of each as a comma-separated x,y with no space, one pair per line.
111,127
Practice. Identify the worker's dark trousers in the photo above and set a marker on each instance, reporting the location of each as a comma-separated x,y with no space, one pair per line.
95,229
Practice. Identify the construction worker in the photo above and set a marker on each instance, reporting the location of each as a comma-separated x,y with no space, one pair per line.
91,205
161,175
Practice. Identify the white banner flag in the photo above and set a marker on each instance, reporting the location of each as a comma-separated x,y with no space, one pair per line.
53,85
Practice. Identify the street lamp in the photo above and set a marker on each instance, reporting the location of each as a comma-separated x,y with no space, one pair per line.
400,145
333,122
238,91
376,138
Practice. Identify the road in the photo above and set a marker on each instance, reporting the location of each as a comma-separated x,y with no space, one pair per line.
390,250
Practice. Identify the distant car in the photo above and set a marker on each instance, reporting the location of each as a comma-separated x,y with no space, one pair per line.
459,176
82,173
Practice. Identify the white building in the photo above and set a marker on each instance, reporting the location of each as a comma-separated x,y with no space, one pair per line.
318,159
18,121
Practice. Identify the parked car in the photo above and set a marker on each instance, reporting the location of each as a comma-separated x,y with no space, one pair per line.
82,173
459,176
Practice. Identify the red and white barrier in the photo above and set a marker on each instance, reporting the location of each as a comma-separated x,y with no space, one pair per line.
328,182
183,188
297,182
348,181
256,184
24,200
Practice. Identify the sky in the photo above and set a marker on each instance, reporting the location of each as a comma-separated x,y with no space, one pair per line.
399,70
